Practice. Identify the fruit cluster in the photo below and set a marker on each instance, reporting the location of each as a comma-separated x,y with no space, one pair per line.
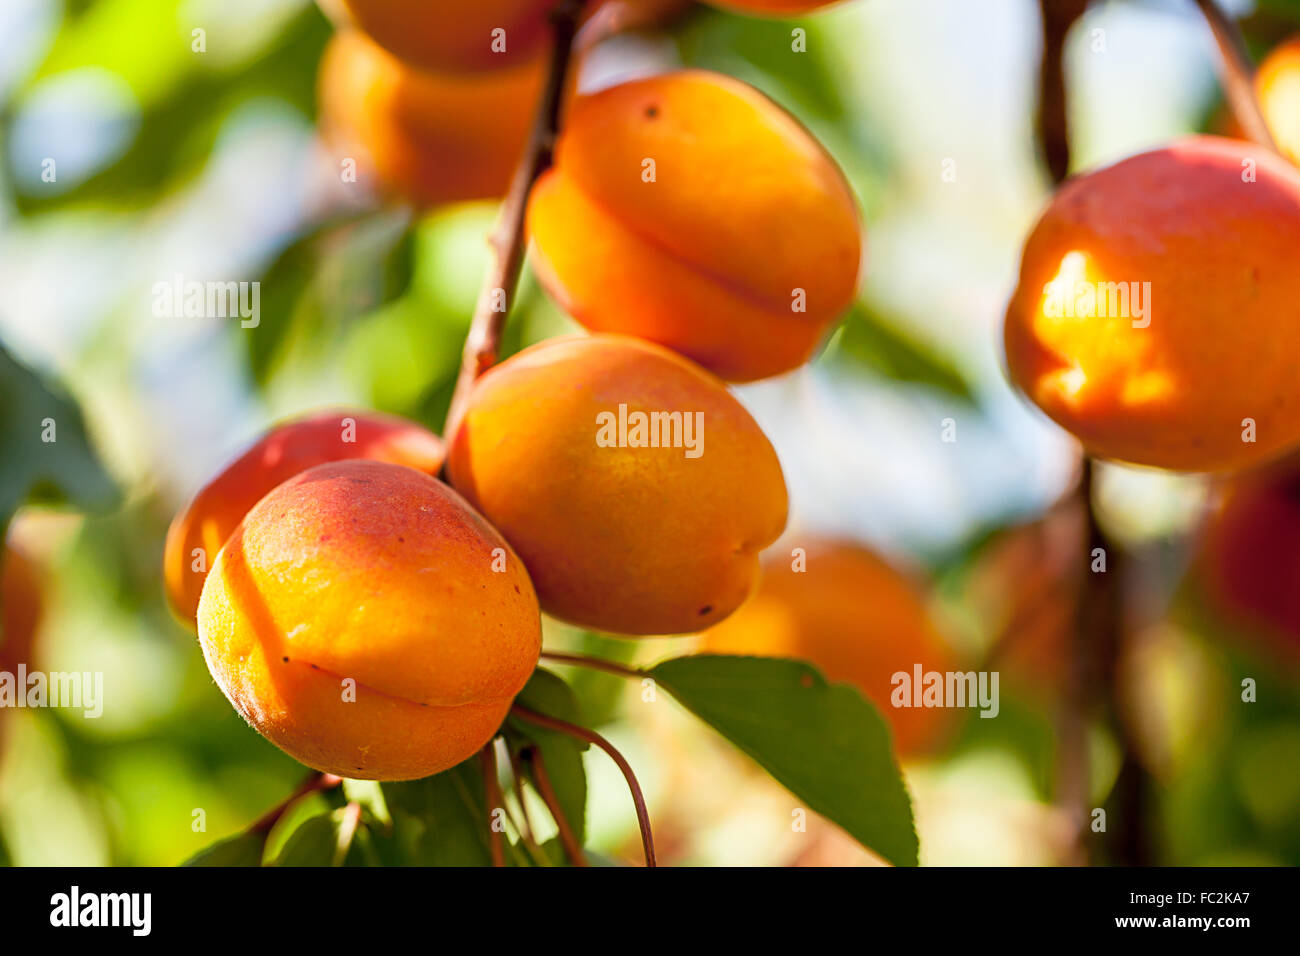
369,598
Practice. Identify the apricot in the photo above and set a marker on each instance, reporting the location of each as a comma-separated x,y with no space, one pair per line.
455,35
421,136
1249,558
853,616
1277,86
690,210
637,490
1157,311
369,623
198,532
21,607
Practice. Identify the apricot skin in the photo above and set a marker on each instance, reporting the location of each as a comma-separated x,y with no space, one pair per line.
381,574
746,207
424,137
285,451
1224,304
629,540
1277,85
454,35
22,607
855,618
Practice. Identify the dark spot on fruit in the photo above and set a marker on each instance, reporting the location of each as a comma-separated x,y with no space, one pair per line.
651,112
286,660
706,609
517,591
401,540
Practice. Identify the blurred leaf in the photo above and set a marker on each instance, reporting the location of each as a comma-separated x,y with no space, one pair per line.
184,105
548,694
339,271
63,470
244,849
824,742
322,841
438,821
370,794
869,340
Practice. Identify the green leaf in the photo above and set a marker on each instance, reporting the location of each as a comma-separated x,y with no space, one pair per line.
548,694
438,821
244,849
869,340
65,469
824,742
326,279
185,97
323,841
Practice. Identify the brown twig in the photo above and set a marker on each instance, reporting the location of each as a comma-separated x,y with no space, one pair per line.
572,845
314,783
507,245
1237,73
595,663
1053,118
492,795
591,737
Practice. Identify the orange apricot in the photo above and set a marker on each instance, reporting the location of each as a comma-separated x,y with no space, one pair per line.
1249,559
690,210
854,617
637,490
1277,86
369,623
198,532
455,35
21,607
422,136
1156,314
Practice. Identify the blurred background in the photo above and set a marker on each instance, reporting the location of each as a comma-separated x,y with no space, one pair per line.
207,164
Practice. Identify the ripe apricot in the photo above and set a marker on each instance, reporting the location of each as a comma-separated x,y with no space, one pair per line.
20,607
1158,303
375,578
637,490
1249,560
455,35
1277,85
690,210
197,533
854,617
422,136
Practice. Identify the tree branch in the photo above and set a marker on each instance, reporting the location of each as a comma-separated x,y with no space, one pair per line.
1237,73
542,779
591,737
507,242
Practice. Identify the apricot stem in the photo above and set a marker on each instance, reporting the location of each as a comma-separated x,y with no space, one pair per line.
492,795
1052,119
1237,73
316,782
543,781
595,663
591,737
483,343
